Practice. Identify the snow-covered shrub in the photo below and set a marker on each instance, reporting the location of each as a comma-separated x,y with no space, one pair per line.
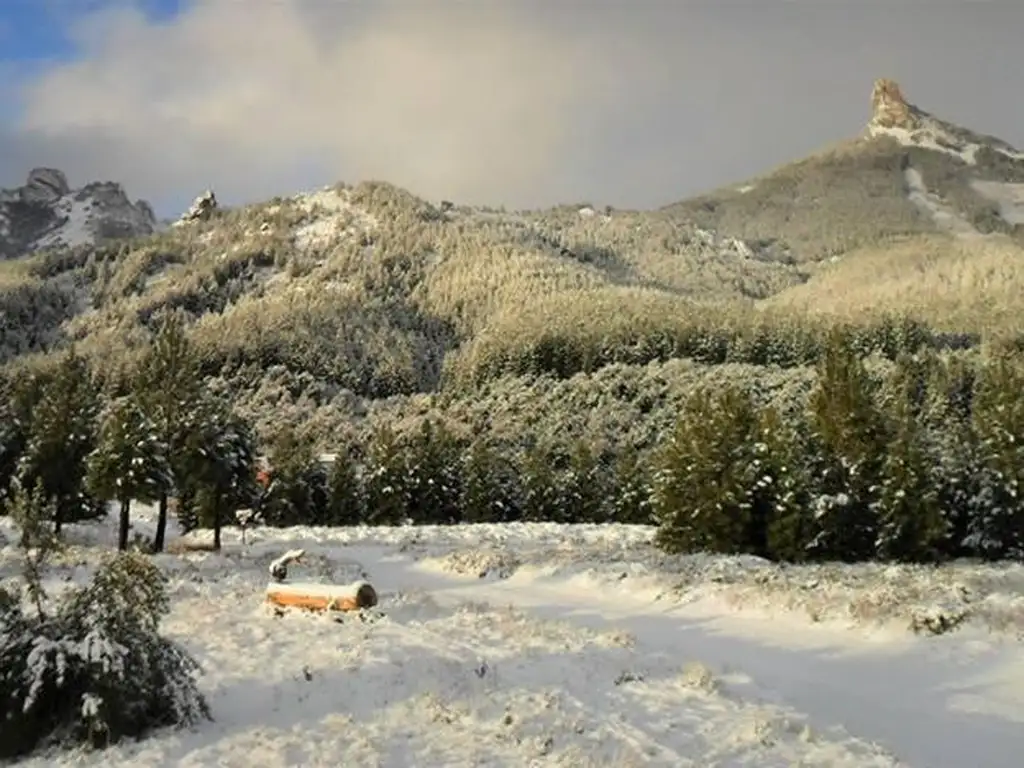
97,670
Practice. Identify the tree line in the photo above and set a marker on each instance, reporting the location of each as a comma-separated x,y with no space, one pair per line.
922,463
79,441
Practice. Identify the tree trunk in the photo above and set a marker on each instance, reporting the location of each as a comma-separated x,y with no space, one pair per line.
217,503
161,524
58,515
122,530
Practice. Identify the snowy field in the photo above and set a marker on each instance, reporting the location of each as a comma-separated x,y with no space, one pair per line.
549,645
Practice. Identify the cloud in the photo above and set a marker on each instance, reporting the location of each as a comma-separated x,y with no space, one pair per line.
515,102
450,99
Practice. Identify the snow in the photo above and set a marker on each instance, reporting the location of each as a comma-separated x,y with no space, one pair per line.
1010,198
944,216
338,217
555,645
76,229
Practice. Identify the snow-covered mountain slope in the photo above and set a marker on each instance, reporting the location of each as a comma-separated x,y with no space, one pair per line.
46,212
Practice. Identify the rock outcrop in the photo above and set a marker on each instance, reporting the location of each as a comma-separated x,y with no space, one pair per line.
890,109
46,212
202,208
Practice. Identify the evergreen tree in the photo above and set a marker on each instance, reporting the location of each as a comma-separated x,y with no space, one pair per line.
784,486
387,493
129,461
629,500
911,525
168,382
433,456
61,436
18,400
541,500
488,485
705,484
297,494
585,486
850,445
346,501
997,530
219,461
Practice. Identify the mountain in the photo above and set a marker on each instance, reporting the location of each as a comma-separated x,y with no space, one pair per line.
46,213
334,308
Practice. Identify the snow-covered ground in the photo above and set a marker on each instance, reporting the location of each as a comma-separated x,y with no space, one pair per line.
548,645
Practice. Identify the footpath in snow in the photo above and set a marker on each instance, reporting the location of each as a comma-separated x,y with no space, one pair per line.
940,702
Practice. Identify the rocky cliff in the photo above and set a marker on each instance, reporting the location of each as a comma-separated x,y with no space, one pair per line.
46,212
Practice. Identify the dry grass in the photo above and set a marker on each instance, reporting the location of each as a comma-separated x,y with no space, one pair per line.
850,196
953,284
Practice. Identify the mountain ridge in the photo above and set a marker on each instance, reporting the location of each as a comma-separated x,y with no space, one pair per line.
344,299
45,212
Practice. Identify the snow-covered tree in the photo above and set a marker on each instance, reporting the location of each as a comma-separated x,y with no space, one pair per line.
129,462
18,399
168,382
488,488
848,448
911,524
585,485
433,457
997,530
62,434
297,493
704,486
218,462
385,480
346,500
541,500
630,498
97,670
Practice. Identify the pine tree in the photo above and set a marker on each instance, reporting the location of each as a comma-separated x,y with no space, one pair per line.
911,525
783,483
219,463
18,400
433,456
629,500
297,494
129,461
849,443
168,382
997,530
61,436
488,485
541,499
704,486
585,486
346,501
387,493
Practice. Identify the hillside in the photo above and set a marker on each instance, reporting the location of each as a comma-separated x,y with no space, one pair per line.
325,307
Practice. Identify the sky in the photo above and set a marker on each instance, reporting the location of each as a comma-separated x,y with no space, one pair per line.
522,103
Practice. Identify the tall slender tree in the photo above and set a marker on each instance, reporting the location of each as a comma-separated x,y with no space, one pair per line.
61,436
219,462
168,383
129,461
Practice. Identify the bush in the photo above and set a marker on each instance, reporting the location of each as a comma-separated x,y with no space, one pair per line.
97,670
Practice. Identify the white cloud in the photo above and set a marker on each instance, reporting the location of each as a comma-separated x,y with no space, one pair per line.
449,99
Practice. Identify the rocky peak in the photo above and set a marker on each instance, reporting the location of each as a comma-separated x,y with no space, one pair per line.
889,108
44,186
45,212
201,209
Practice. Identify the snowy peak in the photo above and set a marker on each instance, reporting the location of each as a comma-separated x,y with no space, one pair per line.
46,212
894,116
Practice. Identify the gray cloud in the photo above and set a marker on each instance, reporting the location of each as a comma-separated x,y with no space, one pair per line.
514,102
